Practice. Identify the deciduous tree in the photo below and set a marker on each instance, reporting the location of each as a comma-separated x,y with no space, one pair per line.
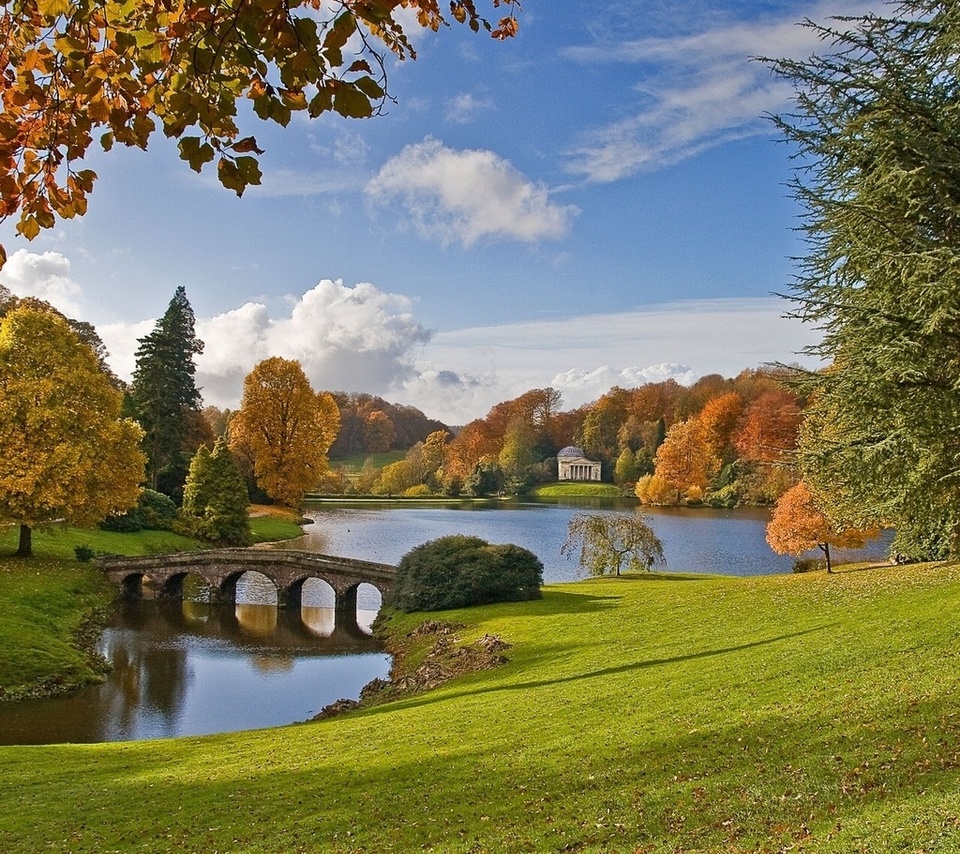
285,428
609,542
119,71
798,525
65,452
685,459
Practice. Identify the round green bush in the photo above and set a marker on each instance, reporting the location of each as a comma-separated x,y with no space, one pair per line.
457,571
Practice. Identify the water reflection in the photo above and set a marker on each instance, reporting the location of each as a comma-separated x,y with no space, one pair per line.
189,668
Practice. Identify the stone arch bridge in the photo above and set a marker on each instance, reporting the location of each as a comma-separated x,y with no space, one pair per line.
222,569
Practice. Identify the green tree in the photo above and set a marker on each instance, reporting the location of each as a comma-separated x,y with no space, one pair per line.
65,452
457,571
215,498
626,471
876,130
164,391
609,542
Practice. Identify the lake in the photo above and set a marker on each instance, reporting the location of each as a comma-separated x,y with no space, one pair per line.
189,668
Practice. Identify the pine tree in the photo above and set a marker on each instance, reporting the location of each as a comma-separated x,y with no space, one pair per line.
164,392
215,498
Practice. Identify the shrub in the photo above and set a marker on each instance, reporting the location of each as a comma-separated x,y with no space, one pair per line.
154,512
808,564
457,571
84,554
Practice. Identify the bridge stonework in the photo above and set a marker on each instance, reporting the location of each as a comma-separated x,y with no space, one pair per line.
222,568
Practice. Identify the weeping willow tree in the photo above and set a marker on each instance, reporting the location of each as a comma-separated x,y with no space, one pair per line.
876,130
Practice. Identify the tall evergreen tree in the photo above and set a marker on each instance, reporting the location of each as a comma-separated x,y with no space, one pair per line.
878,133
165,394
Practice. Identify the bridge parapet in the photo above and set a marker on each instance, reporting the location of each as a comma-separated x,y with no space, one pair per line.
286,568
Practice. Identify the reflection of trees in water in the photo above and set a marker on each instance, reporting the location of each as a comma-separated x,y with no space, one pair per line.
273,663
318,621
257,620
146,679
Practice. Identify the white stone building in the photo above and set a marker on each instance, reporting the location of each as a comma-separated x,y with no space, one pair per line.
573,465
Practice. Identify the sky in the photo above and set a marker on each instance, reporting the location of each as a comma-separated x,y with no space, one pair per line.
599,201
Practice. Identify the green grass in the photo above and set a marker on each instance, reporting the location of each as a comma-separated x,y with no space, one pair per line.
561,490
46,602
807,713
268,529
354,462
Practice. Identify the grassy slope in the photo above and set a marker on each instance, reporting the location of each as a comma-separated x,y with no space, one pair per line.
810,713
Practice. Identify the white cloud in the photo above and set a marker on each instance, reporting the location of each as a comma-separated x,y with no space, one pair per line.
585,356
45,276
468,196
697,91
463,108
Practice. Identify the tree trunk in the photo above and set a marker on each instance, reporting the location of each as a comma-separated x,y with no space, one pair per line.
825,547
25,548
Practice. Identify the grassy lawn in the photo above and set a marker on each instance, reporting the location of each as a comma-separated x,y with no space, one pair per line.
561,490
806,713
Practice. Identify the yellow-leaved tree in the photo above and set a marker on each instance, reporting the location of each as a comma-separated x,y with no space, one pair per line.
65,452
284,428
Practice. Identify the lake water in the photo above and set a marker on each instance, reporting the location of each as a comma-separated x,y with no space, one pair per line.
725,542
188,668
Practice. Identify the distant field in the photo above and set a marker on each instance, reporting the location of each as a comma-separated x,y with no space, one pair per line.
355,462
560,490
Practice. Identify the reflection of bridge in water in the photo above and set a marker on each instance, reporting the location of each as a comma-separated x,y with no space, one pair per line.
221,569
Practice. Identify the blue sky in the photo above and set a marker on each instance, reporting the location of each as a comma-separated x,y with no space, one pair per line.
598,201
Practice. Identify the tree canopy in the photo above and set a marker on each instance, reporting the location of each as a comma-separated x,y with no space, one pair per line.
798,525
122,70
878,139
285,429
65,452
610,542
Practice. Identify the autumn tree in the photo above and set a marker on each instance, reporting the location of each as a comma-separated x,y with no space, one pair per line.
378,432
798,525
65,452
719,418
165,393
875,125
215,498
118,72
767,432
685,459
610,542
285,428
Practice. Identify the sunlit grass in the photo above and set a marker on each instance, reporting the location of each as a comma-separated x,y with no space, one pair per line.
807,713
562,490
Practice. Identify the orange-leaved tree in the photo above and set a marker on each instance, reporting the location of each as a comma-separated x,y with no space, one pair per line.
284,428
65,452
686,459
798,525
119,69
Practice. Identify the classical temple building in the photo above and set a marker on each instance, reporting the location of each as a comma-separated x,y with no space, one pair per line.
573,465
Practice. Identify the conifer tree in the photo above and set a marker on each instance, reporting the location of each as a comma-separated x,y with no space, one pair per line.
215,498
164,392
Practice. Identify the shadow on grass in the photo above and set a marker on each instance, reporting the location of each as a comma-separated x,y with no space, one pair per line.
610,671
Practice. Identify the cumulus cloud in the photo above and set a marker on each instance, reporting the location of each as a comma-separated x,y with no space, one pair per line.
468,196
696,91
45,276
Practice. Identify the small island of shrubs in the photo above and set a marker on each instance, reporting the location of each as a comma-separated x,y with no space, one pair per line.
457,571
